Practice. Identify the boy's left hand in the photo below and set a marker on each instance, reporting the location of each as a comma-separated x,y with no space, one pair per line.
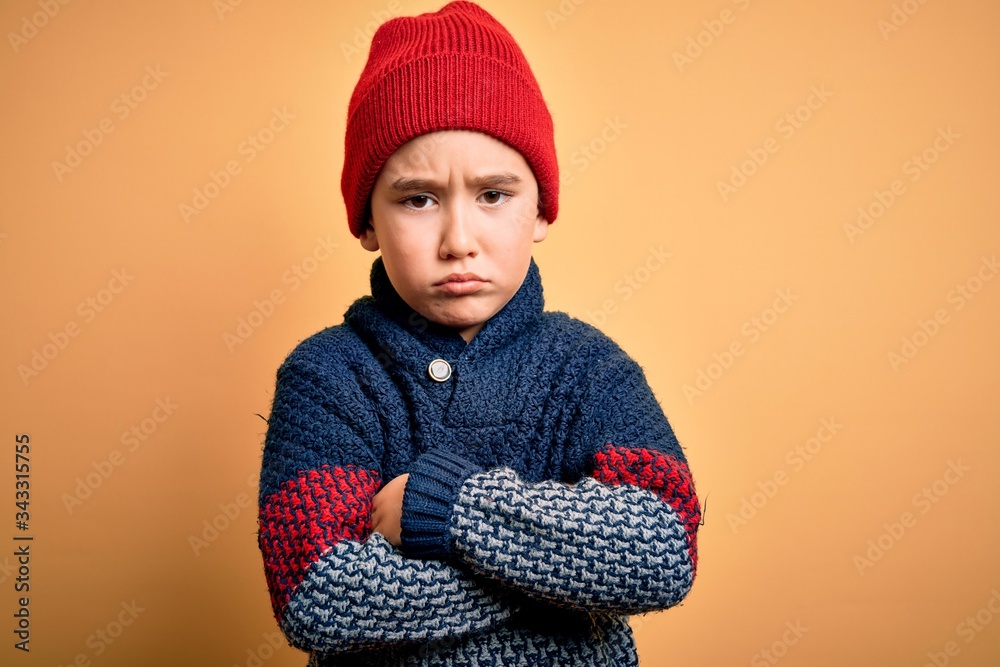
387,510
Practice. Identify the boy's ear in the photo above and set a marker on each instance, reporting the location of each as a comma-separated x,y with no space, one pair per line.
541,228
369,241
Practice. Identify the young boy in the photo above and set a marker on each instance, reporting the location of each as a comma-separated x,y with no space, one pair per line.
454,476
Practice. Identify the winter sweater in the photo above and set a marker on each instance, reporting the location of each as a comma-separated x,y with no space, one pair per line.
548,497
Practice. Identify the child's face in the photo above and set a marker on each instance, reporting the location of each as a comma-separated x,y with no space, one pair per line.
455,202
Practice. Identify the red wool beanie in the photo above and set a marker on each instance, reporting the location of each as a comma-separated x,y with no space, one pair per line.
454,69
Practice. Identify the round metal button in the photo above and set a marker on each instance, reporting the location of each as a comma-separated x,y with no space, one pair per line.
439,370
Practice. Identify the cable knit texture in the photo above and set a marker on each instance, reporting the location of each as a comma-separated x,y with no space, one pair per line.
548,498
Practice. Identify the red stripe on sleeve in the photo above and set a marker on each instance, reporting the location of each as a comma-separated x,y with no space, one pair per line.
309,515
660,473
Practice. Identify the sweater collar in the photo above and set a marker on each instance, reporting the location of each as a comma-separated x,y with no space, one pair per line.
400,331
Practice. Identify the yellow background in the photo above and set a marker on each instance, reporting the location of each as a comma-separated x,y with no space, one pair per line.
644,139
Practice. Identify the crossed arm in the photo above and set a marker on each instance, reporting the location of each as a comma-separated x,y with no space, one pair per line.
451,548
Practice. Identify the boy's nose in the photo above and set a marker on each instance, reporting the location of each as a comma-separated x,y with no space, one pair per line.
457,238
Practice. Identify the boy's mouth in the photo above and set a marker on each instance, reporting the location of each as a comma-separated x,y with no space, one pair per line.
461,283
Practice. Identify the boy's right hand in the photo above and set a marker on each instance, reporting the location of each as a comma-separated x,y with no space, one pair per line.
387,510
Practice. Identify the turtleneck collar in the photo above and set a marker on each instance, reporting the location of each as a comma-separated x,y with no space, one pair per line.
401,331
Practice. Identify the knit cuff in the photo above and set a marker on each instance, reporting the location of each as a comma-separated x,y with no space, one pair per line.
431,493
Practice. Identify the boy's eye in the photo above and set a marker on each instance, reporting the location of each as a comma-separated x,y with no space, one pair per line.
418,201
494,196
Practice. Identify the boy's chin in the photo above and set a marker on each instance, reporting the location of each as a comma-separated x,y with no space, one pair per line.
463,326
463,319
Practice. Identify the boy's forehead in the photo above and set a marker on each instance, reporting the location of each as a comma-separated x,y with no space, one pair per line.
420,151
474,151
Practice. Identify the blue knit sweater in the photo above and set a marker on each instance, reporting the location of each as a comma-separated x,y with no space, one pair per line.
548,498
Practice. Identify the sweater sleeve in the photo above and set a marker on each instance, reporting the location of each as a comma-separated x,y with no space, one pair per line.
335,586
620,540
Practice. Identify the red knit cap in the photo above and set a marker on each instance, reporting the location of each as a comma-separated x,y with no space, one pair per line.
454,69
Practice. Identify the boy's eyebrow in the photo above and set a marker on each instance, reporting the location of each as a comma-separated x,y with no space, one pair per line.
496,180
404,184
